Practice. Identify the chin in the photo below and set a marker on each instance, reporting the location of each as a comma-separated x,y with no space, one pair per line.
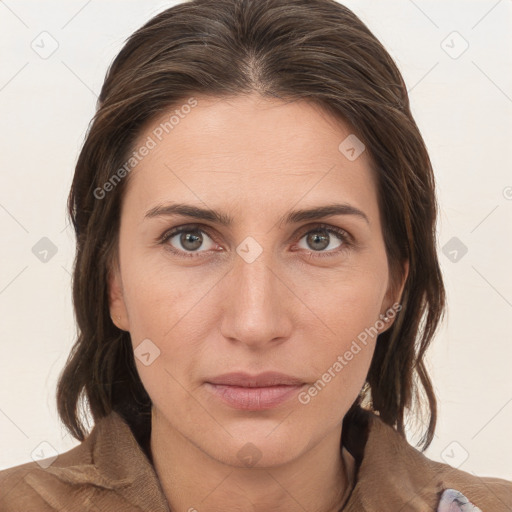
266,445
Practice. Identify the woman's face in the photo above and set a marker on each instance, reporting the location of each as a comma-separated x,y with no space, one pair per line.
270,290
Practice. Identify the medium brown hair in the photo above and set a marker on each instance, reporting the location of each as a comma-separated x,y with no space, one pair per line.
315,50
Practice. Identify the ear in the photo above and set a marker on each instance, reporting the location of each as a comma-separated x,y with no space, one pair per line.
394,295
117,306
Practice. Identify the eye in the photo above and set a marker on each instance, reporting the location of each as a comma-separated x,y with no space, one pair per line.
321,238
186,241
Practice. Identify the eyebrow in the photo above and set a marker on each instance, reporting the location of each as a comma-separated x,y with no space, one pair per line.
187,210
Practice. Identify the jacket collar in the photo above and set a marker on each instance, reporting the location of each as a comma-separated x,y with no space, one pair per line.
115,461
391,474
394,476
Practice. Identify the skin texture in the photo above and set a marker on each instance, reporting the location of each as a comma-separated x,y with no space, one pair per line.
290,310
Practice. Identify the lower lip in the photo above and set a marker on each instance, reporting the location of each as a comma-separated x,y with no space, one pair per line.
253,399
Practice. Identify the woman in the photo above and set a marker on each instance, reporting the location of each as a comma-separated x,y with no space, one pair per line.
256,279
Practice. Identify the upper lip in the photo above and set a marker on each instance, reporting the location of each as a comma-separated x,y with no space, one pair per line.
254,381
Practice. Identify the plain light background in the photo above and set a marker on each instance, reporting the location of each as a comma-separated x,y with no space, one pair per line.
462,101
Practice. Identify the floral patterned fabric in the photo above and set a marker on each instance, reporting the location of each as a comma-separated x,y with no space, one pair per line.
454,501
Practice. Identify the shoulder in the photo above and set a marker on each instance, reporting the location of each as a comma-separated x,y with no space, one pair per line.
394,475
37,485
58,482
458,490
107,471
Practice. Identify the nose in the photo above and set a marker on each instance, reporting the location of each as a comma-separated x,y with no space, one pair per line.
259,306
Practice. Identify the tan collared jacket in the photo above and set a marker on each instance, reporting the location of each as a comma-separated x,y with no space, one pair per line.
110,472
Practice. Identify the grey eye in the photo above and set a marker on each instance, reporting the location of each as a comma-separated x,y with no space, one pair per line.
190,240
319,239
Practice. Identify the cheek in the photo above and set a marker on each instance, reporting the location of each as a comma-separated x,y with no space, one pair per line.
349,312
167,307
340,362
157,296
345,302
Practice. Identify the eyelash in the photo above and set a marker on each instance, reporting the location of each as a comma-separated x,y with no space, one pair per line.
345,237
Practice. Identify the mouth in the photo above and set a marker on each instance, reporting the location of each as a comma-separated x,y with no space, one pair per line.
254,392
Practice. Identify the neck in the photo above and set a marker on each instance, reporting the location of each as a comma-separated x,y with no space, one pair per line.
318,480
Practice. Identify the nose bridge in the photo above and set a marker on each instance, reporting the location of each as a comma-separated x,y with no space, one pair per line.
255,313
255,281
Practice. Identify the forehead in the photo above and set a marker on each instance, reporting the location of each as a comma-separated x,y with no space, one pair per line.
250,152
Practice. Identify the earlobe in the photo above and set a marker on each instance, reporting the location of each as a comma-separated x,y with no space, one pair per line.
117,304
